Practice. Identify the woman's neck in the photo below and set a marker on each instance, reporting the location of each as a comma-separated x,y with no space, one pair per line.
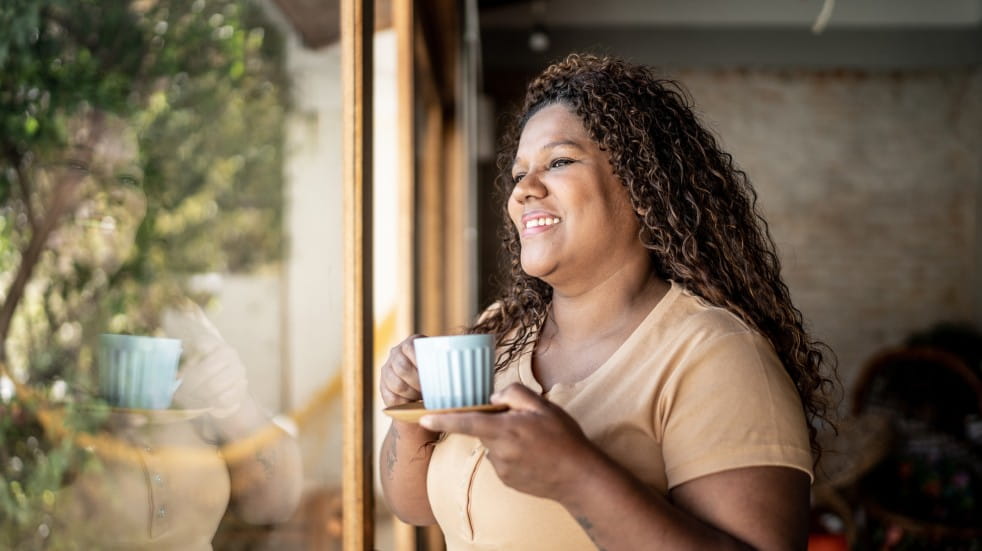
621,298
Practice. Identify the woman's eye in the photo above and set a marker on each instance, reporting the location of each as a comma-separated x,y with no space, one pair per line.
560,162
80,166
128,181
515,178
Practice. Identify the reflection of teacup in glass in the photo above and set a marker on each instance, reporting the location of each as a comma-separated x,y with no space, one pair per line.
138,372
455,371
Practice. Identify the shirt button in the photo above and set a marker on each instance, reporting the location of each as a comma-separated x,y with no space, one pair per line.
161,511
157,479
148,449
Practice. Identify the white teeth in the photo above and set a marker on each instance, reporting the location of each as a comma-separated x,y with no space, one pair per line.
536,222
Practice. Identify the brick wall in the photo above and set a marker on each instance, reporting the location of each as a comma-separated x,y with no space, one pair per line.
870,182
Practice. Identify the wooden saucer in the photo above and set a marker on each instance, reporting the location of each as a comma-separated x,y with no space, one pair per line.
413,411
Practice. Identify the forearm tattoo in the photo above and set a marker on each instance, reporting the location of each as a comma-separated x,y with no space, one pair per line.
588,528
267,459
390,453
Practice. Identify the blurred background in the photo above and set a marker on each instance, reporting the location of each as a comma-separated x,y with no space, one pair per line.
859,124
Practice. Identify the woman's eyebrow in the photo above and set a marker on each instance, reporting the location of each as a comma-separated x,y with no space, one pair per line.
559,143
80,147
133,170
551,145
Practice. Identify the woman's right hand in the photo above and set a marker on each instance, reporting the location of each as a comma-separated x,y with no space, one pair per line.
404,459
399,381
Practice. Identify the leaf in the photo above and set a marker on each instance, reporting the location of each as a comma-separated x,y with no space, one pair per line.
31,125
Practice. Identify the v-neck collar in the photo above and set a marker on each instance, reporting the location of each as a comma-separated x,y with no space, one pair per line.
527,376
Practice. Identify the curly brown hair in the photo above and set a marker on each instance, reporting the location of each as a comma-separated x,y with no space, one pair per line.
696,209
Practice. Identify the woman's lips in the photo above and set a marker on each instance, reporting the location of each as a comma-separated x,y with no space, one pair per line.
538,222
105,223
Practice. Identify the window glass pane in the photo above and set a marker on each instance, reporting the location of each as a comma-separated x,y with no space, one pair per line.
391,257
170,171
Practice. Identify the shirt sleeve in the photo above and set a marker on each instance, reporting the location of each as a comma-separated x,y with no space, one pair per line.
730,404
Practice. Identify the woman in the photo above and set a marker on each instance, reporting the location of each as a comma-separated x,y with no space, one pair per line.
660,384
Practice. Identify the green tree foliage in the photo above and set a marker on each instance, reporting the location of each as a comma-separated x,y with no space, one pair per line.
201,84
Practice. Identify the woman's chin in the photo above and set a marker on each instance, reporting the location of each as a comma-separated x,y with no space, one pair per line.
98,249
538,267
108,264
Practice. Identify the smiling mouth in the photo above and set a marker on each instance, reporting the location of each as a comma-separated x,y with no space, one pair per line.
107,223
538,222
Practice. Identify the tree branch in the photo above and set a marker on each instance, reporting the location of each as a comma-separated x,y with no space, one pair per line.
26,192
14,159
63,200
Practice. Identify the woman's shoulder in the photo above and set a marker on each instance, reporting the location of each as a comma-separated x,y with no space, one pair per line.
694,316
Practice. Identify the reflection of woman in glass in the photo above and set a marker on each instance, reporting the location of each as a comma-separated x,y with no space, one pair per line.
659,380
83,204
164,478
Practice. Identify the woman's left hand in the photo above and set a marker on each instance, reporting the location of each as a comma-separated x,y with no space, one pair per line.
213,375
535,446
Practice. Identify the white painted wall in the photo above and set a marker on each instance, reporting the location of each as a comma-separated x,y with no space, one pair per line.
313,271
314,266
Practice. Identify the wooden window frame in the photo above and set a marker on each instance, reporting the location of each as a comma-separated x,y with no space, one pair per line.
357,34
435,187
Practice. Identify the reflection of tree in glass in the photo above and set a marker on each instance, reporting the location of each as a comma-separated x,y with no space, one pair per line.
199,84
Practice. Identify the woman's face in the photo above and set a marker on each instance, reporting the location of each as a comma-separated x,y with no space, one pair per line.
100,231
572,213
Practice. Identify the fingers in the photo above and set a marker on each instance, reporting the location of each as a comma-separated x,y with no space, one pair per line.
405,370
201,322
390,399
399,380
190,324
519,397
398,390
407,347
486,425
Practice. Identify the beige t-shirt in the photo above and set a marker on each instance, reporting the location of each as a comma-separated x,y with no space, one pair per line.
160,485
693,391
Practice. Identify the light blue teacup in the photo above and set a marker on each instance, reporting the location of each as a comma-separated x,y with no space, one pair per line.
455,371
138,372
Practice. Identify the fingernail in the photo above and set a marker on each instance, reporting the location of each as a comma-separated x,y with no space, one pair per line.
426,422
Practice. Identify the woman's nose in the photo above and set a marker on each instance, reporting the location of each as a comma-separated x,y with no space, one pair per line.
529,187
